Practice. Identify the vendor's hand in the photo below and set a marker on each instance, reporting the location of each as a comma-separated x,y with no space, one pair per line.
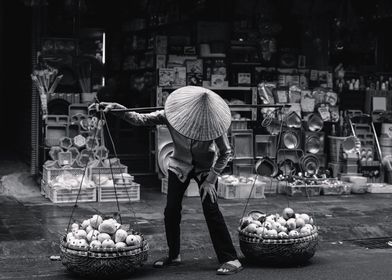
106,106
208,188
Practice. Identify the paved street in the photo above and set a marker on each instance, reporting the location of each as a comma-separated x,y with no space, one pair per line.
30,227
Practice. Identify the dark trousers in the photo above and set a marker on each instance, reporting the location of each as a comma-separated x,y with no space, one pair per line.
219,233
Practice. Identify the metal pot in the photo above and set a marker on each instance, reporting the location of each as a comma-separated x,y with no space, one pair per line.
310,164
315,122
290,140
266,167
287,167
313,145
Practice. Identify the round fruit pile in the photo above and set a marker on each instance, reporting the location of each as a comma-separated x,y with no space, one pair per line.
278,226
97,233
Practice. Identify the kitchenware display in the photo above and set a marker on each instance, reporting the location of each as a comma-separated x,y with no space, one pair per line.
309,164
54,152
266,167
287,167
315,123
313,145
293,120
290,140
65,158
351,145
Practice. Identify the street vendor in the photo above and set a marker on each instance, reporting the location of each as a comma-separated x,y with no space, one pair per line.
198,120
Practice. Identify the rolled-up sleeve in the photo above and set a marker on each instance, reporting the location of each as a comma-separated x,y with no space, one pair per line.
154,118
225,154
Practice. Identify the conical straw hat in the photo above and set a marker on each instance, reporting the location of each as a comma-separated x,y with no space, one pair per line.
197,113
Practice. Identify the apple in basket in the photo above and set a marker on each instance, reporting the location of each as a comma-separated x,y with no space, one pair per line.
257,223
88,229
82,243
80,234
120,245
261,231
288,213
108,243
120,236
272,233
74,227
70,236
271,218
282,234
74,242
85,224
268,225
305,230
103,236
92,235
293,233
308,226
281,228
305,217
133,240
291,224
281,221
95,221
251,228
95,244
108,226
299,222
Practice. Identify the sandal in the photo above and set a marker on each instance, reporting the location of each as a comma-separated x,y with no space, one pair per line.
165,262
229,269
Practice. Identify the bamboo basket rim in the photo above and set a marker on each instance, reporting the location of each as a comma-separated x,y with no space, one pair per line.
254,238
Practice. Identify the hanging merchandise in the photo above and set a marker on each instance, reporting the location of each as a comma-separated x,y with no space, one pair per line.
315,122
266,167
46,82
309,164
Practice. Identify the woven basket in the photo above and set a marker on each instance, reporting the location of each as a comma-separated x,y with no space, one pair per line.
102,263
278,251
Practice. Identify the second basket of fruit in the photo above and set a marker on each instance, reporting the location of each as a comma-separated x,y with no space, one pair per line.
286,238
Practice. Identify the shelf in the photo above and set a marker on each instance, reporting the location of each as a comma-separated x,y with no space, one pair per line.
138,51
145,69
216,88
158,27
241,109
246,63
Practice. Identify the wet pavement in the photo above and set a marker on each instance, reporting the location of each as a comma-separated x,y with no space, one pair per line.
30,228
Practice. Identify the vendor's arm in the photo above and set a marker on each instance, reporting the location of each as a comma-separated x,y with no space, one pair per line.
154,118
225,154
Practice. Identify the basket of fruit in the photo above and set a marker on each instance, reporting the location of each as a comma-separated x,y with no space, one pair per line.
276,239
100,248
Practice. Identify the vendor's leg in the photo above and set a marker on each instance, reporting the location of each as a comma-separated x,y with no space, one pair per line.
175,194
219,233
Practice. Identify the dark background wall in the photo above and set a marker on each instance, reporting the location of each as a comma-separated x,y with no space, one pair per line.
15,89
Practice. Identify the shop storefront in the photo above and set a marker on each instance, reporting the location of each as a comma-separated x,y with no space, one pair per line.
322,72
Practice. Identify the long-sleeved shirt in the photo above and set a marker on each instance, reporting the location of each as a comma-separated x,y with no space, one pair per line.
188,155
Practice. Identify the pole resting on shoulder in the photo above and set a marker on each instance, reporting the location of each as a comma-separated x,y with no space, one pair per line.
251,106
